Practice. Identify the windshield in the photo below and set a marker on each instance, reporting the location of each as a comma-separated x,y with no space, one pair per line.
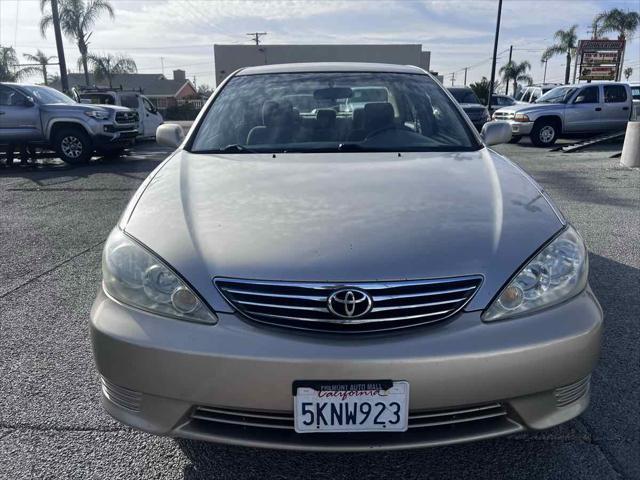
310,112
97,98
464,96
46,95
557,95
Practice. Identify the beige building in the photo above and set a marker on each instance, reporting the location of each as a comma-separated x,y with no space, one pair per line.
229,58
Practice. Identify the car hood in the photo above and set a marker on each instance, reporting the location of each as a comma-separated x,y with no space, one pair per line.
82,107
342,217
532,107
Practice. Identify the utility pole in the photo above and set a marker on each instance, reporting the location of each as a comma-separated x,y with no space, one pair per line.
162,65
465,76
544,78
453,78
495,54
256,36
506,88
64,80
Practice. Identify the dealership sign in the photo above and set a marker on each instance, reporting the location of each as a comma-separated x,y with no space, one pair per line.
600,59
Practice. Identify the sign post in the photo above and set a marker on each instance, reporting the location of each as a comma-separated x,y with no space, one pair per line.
600,59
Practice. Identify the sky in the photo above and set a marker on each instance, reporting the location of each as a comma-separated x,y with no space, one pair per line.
459,33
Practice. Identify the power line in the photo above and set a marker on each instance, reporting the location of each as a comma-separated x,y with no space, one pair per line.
256,36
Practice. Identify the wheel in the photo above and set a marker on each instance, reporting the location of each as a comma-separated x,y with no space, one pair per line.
73,145
515,139
545,133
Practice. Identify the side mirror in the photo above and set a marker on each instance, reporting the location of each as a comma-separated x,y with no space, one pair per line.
579,99
169,135
494,133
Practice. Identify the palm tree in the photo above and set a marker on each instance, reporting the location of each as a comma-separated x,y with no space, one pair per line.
566,43
77,18
627,73
516,72
10,70
596,31
41,58
623,23
104,67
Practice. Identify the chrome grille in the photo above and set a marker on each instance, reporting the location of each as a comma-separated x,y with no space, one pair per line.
284,420
395,305
570,393
503,115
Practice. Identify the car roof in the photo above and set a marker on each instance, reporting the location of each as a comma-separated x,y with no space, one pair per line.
330,67
458,88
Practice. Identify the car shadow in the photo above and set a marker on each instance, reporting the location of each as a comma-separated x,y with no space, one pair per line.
571,450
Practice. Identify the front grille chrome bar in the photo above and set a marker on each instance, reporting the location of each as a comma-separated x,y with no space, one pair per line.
305,305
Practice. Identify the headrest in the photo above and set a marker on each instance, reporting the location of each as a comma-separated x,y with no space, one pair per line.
325,117
275,114
358,118
378,115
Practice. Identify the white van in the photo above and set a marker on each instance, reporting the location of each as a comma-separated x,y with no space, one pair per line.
150,118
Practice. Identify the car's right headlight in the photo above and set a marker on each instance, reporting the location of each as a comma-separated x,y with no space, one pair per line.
133,275
558,272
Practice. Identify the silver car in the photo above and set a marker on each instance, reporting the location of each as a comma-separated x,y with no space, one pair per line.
324,279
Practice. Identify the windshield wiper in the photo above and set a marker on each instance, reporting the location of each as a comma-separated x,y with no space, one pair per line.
236,147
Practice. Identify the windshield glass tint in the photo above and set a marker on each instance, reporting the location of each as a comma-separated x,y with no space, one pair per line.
316,112
464,96
97,98
557,95
47,95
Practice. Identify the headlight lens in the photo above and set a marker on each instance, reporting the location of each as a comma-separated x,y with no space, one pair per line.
558,272
97,114
521,117
134,276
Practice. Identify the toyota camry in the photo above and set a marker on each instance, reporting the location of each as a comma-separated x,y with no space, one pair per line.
317,269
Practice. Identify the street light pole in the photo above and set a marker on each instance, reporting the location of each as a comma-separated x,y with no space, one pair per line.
495,54
64,81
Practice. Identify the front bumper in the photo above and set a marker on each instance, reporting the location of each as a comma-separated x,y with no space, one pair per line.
160,375
114,135
520,128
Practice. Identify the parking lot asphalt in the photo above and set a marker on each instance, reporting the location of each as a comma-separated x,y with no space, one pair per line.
53,222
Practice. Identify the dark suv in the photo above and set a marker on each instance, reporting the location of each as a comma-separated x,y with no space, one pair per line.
477,113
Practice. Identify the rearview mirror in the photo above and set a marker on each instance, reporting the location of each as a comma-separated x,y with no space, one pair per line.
332,93
494,133
169,135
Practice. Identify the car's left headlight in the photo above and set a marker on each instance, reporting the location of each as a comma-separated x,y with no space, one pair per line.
133,275
558,272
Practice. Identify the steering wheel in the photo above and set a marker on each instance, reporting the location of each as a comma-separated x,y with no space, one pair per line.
378,131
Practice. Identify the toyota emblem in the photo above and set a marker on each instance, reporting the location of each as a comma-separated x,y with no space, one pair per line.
349,303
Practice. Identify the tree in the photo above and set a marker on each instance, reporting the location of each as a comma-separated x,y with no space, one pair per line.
41,58
10,70
77,18
104,67
481,88
204,90
596,32
627,73
623,23
516,72
566,43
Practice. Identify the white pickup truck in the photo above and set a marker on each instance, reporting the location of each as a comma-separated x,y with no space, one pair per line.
150,118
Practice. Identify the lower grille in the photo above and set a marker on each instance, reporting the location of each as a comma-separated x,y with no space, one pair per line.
284,420
120,396
570,393
390,305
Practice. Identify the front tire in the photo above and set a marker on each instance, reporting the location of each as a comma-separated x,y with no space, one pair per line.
545,133
73,145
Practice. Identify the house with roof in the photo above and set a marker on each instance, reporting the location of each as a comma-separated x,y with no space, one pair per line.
162,91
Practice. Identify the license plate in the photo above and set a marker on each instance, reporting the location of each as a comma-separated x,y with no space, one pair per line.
369,406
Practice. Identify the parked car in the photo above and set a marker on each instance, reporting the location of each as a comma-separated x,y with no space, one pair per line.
499,101
333,280
38,116
584,108
477,113
533,92
635,94
150,117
